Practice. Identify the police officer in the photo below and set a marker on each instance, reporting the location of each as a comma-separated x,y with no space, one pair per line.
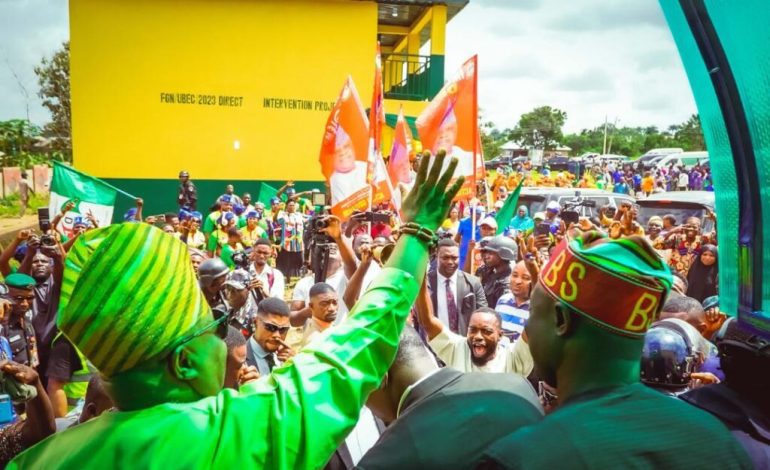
17,328
495,274
188,195
212,275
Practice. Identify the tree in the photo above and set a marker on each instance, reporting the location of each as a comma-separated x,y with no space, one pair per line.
540,128
54,78
491,140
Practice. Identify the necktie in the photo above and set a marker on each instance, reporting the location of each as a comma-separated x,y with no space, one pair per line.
451,307
270,361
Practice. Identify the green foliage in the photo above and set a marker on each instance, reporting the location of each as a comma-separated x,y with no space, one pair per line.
10,206
54,78
491,140
22,144
634,141
540,128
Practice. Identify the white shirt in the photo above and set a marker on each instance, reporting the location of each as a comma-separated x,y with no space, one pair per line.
454,351
441,305
279,283
684,179
363,437
337,280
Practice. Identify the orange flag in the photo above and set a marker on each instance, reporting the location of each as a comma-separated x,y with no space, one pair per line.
450,122
398,164
377,174
344,152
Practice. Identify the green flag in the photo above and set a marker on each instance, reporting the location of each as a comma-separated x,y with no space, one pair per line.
90,195
505,214
265,193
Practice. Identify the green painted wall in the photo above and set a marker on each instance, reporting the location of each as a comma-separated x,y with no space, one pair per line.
160,194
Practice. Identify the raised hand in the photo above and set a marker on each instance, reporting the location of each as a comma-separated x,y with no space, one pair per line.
428,202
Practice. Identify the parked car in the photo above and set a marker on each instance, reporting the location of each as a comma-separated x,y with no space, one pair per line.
558,163
686,159
680,204
497,161
537,198
655,154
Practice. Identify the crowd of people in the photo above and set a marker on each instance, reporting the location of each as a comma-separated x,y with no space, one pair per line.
633,179
530,341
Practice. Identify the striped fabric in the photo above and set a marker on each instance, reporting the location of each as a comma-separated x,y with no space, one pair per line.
128,293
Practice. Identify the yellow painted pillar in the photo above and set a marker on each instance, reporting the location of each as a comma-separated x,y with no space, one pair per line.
437,46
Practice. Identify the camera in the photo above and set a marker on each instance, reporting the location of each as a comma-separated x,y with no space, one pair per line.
240,259
570,214
47,240
319,222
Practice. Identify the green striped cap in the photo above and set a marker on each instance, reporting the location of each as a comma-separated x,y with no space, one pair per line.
129,291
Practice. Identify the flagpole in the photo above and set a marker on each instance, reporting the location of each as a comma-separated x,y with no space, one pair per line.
476,140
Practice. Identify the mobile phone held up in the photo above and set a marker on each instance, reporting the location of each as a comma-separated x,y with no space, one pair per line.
543,228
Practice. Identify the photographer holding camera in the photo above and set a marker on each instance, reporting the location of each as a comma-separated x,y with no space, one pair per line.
266,281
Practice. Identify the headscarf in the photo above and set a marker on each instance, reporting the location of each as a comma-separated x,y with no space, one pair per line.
128,294
522,224
701,279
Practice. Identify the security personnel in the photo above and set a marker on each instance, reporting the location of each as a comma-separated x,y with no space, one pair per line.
495,274
17,328
187,196
594,301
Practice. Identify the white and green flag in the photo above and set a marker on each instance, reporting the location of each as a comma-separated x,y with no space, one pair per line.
90,195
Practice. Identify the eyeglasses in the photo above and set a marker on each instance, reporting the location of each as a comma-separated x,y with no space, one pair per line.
273,328
219,325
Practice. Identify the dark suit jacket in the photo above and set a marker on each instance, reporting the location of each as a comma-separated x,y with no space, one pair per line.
470,296
449,419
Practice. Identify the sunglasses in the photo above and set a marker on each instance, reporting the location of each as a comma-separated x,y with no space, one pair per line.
272,328
219,325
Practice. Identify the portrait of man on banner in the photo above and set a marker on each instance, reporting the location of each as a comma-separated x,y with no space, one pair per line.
344,153
450,123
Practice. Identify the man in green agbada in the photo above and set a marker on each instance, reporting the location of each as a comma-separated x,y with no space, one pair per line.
130,303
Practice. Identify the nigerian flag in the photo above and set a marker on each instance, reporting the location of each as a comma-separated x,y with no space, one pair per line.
90,195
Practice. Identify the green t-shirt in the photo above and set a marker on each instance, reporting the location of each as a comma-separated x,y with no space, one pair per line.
631,426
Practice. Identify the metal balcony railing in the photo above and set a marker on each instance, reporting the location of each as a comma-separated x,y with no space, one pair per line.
407,77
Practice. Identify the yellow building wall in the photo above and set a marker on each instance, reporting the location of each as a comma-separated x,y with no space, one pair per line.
227,89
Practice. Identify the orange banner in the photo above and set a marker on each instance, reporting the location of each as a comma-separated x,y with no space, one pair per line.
450,122
344,153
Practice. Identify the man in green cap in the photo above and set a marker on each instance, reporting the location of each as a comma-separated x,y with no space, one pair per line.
589,347
17,329
131,304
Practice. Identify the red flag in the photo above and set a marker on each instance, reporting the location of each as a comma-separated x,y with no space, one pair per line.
377,174
344,152
450,122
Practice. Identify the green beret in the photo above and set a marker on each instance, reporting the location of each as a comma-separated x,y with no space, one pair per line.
20,281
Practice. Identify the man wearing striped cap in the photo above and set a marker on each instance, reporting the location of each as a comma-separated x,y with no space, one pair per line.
594,301
130,302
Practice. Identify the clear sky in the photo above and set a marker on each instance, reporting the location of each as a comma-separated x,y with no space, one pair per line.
590,58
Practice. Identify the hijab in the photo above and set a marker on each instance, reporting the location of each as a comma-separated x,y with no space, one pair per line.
701,279
522,224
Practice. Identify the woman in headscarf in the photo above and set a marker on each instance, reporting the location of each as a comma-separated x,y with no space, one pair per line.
703,276
521,222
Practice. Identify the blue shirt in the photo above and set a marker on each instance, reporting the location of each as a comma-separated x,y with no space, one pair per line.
514,316
464,230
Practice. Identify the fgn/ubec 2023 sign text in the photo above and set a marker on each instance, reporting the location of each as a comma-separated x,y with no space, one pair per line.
201,99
